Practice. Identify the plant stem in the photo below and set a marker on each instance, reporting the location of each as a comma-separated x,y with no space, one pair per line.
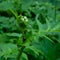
20,53
21,50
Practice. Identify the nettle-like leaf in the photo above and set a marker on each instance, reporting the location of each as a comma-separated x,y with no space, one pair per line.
14,34
5,6
8,23
3,39
32,51
8,50
44,45
24,56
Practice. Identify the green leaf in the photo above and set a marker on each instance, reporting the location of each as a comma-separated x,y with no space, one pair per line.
24,56
5,6
8,50
32,50
14,34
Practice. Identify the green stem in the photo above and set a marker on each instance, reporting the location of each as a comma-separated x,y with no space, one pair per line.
21,50
20,53
22,47
16,16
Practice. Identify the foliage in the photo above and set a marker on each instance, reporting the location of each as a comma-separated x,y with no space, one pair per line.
29,30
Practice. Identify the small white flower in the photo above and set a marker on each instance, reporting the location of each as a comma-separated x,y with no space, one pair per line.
25,17
26,20
22,19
